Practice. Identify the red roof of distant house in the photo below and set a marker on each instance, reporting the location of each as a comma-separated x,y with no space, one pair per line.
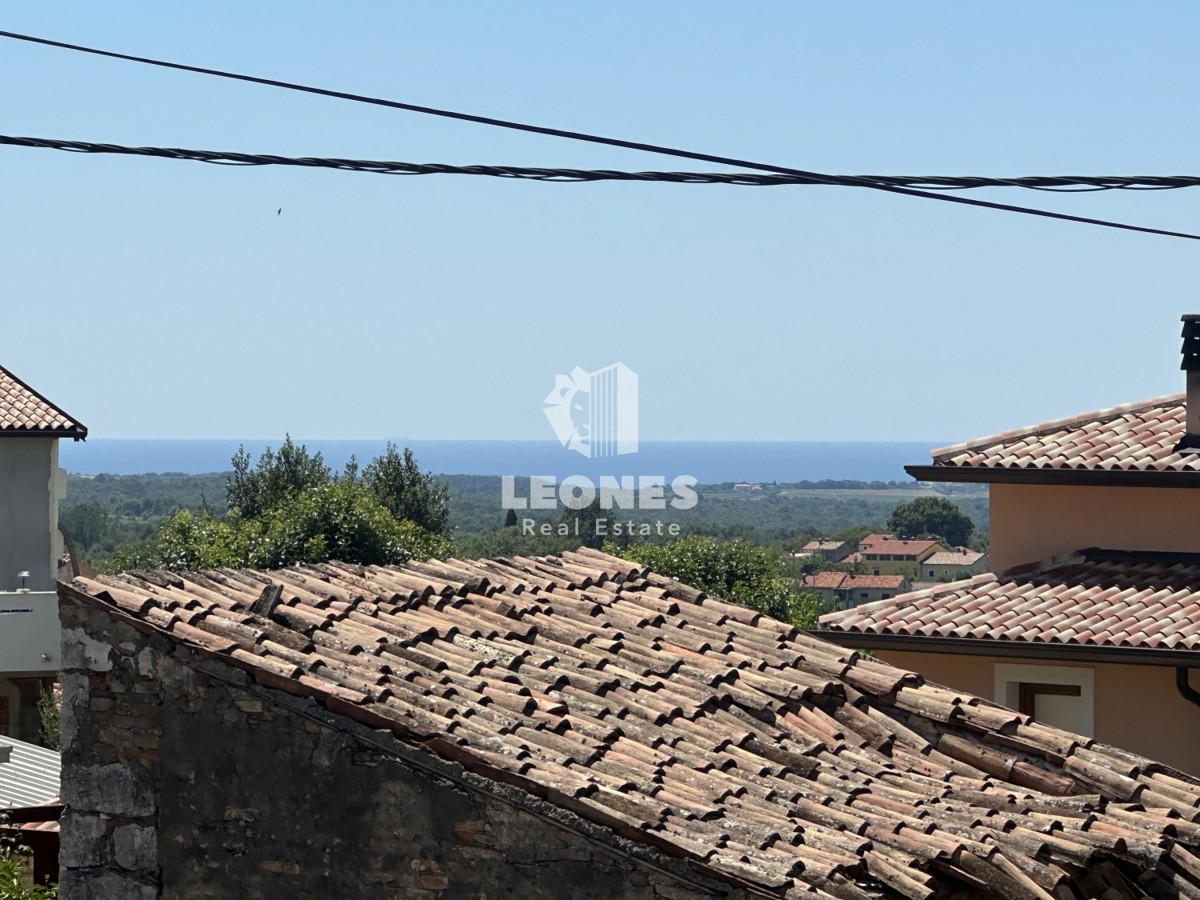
1120,443
24,411
1095,598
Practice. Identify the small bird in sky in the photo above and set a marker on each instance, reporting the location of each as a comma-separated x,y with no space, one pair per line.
279,211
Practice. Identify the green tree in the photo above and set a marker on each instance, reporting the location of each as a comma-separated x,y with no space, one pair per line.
252,491
88,524
132,556
734,570
408,493
933,517
290,508
341,520
854,535
807,609
51,718
582,524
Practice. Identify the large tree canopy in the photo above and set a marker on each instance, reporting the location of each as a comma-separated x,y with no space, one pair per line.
933,517
408,493
733,570
251,491
289,508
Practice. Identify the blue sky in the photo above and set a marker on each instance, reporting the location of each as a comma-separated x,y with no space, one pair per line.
167,299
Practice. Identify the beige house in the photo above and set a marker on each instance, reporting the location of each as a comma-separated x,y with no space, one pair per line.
885,554
1093,622
958,562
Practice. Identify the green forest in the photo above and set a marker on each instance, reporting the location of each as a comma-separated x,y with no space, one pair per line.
108,513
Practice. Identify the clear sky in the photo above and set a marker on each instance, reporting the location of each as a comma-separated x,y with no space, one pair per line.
167,299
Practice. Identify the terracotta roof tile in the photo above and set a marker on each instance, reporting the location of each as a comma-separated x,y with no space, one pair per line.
953,558
885,543
826,580
24,411
1096,598
886,582
765,756
1134,437
841,581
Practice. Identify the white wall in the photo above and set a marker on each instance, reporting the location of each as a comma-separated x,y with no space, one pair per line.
29,633
27,482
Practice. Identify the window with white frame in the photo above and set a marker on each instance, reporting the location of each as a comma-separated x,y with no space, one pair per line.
1062,696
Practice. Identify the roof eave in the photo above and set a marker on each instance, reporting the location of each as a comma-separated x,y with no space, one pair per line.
916,643
76,431
79,433
1091,477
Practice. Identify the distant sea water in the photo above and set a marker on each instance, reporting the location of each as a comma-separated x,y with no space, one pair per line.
710,462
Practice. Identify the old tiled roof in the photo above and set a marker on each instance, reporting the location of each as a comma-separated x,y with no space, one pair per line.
884,543
953,558
874,581
823,545
1137,437
764,756
844,582
24,411
1097,598
826,580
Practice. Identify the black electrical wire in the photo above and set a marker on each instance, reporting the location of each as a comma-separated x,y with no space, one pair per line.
1058,183
816,177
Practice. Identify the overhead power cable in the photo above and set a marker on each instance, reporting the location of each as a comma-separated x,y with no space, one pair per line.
1056,183
817,177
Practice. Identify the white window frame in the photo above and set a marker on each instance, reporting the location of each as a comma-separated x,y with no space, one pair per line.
1009,675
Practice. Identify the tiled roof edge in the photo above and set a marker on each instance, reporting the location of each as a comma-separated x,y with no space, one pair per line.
78,429
1100,415
905,599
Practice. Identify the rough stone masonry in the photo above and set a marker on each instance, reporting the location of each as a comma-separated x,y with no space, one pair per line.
183,779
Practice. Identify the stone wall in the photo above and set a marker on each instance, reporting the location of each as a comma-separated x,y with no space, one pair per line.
183,779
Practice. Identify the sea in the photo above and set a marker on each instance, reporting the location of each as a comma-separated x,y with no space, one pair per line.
709,462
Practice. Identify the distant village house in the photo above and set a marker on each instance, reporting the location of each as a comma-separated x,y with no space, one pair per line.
885,554
830,551
844,591
957,563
